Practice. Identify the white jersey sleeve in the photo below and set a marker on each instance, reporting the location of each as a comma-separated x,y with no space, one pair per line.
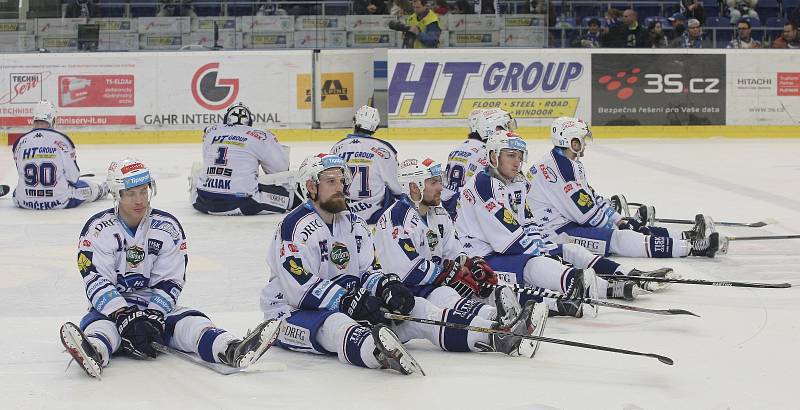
488,223
373,163
232,155
47,169
561,194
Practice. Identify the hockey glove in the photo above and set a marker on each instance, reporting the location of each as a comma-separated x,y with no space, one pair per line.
361,306
396,296
633,225
457,275
483,274
139,328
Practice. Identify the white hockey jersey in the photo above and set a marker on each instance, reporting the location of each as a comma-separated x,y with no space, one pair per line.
494,218
232,155
560,194
47,168
373,163
463,163
313,264
412,246
120,268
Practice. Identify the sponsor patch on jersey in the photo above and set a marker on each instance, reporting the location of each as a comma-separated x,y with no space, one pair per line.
134,255
582,200
548,174
469,196
408,248
295,267
433,239
507,219
340,255
154,246
167,227
85,263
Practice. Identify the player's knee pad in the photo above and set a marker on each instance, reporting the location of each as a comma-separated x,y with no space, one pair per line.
444,297
88,191
105,331
546,272
577,255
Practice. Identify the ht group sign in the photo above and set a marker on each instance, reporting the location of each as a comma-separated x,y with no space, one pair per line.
441,90
658,89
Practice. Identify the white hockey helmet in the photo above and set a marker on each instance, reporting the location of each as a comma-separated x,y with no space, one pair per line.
472,119
238,114
417,172
504,140
367,118
45,111
128,173
566,129
488,123
314,164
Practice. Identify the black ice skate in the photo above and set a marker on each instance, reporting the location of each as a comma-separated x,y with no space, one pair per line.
620,204
507,303
567,306
391,353
658,273
81,350
703,225
509,343
707,247
245,352
538,319
622,290
646,215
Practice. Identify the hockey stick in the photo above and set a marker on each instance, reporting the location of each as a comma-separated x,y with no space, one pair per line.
758,224
86,176
392,316
761,238
554,295
4,189
698,282
216,367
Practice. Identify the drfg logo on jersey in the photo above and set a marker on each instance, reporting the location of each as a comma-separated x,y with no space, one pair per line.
211,91
658,89
527,88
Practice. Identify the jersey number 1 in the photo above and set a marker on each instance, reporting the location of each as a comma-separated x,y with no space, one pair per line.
222,153
360,174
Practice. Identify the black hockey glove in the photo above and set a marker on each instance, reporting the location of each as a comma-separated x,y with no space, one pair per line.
396,296
362,307
139,328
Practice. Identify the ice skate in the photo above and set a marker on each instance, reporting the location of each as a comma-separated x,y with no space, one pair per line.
538,319
509,343
707,247
658,273
81,350
507,303
245,352
391,353
620,205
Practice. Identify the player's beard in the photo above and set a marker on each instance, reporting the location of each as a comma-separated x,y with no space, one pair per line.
334,204
436,201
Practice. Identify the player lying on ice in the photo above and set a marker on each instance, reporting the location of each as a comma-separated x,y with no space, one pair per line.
496,223
329,289
133,262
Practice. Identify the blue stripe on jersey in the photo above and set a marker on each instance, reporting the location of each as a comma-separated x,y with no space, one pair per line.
104,286
454,340
170,288
290,221
399,211
483,184
168,215
91,219
564,165
205,347
103,300
512,264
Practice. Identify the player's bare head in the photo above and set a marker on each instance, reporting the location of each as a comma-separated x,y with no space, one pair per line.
421,180
322,180
506,152
571,134
44,115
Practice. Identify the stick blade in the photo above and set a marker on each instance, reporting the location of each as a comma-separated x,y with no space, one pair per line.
682,312
664,359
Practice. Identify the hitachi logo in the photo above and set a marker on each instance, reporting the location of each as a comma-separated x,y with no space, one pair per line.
754,81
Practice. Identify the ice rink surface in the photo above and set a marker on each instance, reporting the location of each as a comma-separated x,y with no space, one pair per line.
741,354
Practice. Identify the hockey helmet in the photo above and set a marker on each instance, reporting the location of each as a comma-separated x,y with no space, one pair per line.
128,173
238,114
492,119
566,129
367,118
504,140
417,172
472,119
45,111
313,165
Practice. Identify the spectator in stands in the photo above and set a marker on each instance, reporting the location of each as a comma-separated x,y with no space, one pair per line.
270,8
81,9
789,38
463,7
613,34
370,7
692,38
693,9
635,35
656,33
421,28
591,38
794,16
739,8
442,7
401,8
678,21
744,39
176,8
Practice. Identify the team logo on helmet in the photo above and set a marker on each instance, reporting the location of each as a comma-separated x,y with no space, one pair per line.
340,255
211,92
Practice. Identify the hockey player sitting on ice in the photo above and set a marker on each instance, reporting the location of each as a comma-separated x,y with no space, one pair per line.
133,262
373,164
49,176
568,210
227,182
495,222
330,290
415,239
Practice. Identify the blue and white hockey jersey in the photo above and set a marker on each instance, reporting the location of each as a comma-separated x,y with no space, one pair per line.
145,268
412,246
373,164
47,169
560,194
313,263
232,155
463,163
494,218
